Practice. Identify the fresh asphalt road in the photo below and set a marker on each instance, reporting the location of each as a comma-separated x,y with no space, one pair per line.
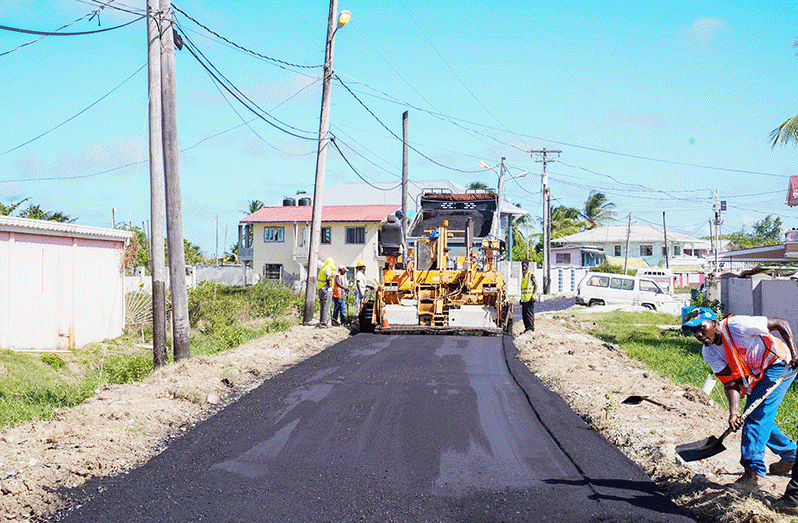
389,429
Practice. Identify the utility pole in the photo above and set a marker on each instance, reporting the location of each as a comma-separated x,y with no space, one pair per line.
500,190
665,231
157,257
321,159
174,210
405,219
626,253
216,256
546,217
718,207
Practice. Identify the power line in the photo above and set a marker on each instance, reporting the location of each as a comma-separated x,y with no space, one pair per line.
269,58
76,114
333,141
56,33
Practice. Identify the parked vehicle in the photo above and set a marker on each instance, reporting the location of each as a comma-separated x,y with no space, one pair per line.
663,277
599,288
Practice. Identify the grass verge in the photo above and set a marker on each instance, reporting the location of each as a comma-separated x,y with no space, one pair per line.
672,354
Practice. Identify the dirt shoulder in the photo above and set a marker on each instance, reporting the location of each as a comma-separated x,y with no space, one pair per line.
595,377
122,427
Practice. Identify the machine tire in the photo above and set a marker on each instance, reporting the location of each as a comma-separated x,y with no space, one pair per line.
595,302
365,317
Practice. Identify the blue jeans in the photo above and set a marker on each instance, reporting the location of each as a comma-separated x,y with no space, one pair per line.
760,428
339,308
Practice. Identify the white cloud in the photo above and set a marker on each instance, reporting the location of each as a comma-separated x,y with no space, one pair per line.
703,30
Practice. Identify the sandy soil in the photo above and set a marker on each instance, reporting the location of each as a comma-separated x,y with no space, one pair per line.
123,426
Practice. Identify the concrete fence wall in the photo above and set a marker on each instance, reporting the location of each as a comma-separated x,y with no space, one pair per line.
761,297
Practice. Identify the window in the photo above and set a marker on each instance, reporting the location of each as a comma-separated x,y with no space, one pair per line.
617,250
624,284
563,258
599,281
664,250
274,234
272,271
355,235
677,250
326,235
648,286
646,250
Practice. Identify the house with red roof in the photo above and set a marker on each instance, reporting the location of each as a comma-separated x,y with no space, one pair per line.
276,240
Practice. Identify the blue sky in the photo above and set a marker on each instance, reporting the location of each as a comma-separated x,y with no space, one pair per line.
654,106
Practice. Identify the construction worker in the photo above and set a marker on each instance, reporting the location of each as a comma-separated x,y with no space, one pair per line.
340,288
399,217
747,359
528,296
360,284
324,285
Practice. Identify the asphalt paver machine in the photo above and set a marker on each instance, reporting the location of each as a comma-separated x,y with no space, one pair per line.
449,280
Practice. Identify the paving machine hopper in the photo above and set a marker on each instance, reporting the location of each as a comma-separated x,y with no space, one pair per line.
449,282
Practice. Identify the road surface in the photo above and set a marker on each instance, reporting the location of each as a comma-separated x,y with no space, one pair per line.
388,429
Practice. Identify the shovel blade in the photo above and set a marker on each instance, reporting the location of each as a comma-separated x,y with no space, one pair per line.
700,449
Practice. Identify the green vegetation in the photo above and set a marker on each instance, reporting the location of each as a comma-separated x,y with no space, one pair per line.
612,269
33,386
674,355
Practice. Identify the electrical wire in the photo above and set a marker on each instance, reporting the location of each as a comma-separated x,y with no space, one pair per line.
76,114
269,58
333,141
56,33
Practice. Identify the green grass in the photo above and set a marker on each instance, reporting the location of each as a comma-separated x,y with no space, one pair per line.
33,386
671,354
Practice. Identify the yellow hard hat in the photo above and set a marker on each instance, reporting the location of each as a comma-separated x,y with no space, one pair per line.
361,264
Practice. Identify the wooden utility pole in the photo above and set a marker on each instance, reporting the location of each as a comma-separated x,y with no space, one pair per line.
405,220
157,257
174,209
546,218
626,253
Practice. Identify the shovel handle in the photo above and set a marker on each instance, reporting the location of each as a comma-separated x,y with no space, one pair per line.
754,405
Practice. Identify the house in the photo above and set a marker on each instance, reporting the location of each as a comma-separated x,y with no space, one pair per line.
277,239
645,241
61,285
577,256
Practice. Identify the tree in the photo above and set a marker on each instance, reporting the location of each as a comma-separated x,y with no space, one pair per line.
7,210
142,258
565,221
35,212
765,232
253,206
597,209
479,186
788,131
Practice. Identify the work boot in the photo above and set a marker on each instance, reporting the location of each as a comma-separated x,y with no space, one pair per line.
781,468
335,323
782,506
750,480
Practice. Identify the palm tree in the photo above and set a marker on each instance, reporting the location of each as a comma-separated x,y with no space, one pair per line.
597,209
565,221
788,131
479,186
254,205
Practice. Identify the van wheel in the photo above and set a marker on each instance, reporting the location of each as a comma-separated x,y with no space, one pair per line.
595,302
649,306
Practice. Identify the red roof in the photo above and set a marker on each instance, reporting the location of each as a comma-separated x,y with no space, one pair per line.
329,213
792,191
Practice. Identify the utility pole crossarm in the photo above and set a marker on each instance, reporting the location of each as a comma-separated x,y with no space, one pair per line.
546,216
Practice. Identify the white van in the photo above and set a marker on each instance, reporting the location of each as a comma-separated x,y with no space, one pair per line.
600,288
661,275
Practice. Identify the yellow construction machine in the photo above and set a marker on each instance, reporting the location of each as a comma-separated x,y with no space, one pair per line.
448,280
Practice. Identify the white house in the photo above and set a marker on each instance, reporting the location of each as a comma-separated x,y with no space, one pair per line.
280,238
61,285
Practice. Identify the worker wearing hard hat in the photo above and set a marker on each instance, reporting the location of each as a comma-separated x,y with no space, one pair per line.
324,285
340,288
400,218
360,284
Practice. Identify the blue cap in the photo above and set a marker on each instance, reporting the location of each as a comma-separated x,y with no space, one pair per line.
694,316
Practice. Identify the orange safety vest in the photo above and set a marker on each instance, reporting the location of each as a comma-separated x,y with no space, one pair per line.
338,288
776,349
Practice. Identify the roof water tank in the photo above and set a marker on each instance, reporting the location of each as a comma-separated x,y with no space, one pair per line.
304,201
288,202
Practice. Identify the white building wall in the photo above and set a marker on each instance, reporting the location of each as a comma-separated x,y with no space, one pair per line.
58,289
780,300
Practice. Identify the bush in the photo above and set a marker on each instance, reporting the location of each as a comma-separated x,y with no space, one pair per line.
53,360
127,369
612,269
268,298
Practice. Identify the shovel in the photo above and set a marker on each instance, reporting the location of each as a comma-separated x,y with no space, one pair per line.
637,400
710,446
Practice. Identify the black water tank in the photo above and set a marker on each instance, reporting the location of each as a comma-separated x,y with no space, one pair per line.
304,201
390,237
289,202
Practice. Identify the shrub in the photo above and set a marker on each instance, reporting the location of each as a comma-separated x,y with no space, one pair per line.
53,360
127,369
268,298
612,269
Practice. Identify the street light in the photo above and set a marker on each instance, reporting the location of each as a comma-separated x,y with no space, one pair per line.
321,157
